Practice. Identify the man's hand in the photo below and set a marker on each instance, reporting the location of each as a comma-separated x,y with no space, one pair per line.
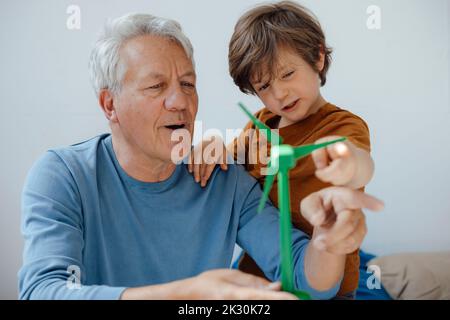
221,284
205,156
343,164
339,229
339,223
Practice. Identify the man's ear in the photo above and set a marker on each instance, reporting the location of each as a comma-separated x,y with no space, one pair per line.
106,101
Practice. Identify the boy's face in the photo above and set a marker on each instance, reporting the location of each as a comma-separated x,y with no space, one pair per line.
294,91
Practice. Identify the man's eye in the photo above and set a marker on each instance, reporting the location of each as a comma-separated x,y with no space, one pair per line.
287,75
188,84
264,87
156,86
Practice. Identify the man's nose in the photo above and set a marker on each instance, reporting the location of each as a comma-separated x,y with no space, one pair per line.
176,100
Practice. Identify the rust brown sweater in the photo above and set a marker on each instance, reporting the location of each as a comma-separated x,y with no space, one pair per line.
329,120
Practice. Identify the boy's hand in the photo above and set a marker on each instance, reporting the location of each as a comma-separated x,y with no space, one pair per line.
343,164
205,156
338,221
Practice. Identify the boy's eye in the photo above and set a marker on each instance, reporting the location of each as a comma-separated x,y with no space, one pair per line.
287,75
264,87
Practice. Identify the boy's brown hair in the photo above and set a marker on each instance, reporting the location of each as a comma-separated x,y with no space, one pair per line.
260,31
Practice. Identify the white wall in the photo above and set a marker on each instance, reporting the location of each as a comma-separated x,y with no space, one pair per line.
396,78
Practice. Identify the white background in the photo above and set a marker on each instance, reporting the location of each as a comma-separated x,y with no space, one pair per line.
396,78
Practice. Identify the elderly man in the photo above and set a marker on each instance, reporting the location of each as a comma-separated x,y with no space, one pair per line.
113,217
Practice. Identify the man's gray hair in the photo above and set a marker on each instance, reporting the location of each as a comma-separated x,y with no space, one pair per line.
105,69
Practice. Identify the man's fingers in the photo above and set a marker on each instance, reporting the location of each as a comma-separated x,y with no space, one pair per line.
207,174
313,210
204,166
363,200
197,172
274,286
346,223
261,294
240,278
191,162
341,198
352,242
223,158
235,284
314,207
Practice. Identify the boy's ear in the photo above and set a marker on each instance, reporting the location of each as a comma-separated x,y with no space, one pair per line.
321,62
106,101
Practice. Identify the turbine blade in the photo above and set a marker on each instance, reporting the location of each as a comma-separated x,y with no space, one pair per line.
302,151
267,186
261,126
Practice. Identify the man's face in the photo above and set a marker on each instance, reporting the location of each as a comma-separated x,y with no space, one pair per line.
158,95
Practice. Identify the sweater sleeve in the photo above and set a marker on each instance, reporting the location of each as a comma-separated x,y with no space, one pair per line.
258,234
52,226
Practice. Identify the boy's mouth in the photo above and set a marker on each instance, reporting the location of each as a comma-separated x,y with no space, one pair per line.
290,107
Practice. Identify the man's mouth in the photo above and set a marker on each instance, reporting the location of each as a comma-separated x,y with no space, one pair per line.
290,107
176,126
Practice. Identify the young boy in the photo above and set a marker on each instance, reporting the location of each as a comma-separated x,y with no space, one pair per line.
278,52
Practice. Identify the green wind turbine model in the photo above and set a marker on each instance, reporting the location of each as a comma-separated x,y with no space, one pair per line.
283,158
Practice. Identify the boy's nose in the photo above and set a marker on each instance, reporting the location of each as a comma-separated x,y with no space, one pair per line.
280,92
